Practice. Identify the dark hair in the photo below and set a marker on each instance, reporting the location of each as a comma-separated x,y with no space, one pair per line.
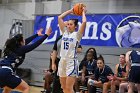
123,54
101,58
75,21
12,43
19,38
94,54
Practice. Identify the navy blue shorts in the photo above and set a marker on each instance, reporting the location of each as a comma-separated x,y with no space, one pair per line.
8,78
134,75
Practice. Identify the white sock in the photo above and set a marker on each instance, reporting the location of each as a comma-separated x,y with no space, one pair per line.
77,92
90,81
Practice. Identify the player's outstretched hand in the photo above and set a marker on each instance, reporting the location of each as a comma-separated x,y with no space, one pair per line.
40,32
49,31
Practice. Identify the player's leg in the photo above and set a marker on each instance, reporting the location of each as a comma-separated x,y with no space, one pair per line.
106,86
14,82
138,87
23,86
131,87
63,83
72,73
62,74
137,80
114,83
133,78
123,87
69,84
7,90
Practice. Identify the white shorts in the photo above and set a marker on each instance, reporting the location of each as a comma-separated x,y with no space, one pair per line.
68,67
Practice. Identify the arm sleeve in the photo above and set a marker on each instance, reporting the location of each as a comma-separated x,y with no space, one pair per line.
55,43
29,39
55,46
27,48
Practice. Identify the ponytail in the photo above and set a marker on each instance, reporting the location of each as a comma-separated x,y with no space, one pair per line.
12,43
75,21
101,58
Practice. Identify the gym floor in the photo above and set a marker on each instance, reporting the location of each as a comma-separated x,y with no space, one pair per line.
34,89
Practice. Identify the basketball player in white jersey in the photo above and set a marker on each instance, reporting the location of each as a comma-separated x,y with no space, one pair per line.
68,65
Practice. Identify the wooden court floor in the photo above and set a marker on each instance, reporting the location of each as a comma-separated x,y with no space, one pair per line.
34,89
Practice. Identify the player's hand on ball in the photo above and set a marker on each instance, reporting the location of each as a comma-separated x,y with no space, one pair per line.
71,10
84,9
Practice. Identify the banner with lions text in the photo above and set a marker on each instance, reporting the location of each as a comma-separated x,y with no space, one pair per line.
118,30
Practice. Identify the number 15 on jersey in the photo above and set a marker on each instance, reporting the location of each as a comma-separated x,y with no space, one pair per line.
66,45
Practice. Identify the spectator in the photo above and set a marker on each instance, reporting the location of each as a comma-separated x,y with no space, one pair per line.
92,57
102,74
88,68
121,74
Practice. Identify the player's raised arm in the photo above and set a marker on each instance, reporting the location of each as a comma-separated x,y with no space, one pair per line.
60,19
84,20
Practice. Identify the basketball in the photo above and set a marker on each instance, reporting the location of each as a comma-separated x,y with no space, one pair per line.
78,9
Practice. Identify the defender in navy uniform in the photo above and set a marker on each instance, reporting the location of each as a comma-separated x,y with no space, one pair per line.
133,62
14,55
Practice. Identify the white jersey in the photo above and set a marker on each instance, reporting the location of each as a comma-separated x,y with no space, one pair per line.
69,44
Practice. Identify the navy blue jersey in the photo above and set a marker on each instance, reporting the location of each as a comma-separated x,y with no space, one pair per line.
135,56
101,75
120,70
90,67
134,75
16,58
